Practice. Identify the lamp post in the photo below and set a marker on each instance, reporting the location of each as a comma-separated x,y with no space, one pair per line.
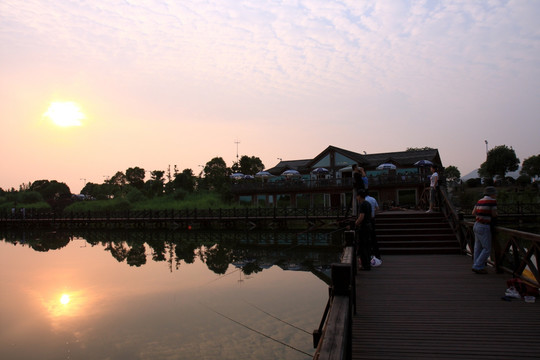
486,148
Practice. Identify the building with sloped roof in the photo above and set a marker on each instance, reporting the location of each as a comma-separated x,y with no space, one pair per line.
326,180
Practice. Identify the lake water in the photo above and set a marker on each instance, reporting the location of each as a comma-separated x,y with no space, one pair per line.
148,295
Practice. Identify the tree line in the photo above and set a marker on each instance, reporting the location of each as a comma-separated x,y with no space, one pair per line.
215,176
132,184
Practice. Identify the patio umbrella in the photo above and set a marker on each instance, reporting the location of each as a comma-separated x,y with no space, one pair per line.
386,166
237,176
263,174
290,173
320,170
423,163
249,177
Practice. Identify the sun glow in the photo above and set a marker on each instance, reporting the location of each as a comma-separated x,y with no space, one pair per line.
65,114
64,299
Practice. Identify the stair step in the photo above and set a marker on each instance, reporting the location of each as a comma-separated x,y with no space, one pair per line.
415,233
417,244
420,250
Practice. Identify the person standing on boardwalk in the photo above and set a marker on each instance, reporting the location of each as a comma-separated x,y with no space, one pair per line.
486,216
375,252
433,183
358,185
359,178
363,230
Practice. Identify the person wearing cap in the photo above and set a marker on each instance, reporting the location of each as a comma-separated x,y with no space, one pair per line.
363,230
486,215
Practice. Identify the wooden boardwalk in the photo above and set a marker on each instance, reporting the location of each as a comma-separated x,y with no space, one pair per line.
435,307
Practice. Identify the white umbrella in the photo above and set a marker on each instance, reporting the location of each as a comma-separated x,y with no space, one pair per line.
263,174
423,163
237,176
346,169
386,166
321,170
291,173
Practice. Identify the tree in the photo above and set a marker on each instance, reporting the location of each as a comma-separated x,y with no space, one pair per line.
531,166
216,174
135,177
184,180
51,190
55,193
154,186
250,165
117,184
452,173
500,160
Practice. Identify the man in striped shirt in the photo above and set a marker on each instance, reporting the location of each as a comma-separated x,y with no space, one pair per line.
486,212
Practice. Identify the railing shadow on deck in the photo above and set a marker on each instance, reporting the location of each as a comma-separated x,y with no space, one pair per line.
332,339
514,252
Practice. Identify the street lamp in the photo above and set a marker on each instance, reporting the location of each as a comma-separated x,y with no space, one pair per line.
486,148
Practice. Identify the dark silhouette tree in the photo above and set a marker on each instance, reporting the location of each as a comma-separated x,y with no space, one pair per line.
500,160
216,174
452,173
531,166
117,184
135,177
250,165
184,181
154,186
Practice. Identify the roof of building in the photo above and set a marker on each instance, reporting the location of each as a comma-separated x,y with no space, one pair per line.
402,159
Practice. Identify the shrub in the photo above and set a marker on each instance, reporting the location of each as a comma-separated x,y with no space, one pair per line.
135,195
473,182
29,197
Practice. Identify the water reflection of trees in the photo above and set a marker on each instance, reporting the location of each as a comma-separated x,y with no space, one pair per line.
251,252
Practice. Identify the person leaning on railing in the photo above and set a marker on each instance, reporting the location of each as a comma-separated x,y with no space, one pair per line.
486,216
363,230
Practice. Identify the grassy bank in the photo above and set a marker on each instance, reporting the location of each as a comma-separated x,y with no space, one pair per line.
190,201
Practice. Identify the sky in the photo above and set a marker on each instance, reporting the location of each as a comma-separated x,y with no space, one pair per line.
159,83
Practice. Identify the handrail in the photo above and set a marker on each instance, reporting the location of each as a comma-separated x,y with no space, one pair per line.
336,183
515,252
454,219
333,338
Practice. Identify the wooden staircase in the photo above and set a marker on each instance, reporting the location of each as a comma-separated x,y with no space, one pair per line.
415,232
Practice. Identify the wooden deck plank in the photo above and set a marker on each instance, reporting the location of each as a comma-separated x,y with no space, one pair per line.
434,306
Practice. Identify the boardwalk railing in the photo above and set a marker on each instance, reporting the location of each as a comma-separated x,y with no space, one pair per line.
332,339
515,252
300,184
34,217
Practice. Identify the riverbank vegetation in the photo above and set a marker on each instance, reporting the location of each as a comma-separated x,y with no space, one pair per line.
175,190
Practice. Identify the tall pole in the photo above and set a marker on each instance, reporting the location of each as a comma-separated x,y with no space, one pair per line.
237,142
486,148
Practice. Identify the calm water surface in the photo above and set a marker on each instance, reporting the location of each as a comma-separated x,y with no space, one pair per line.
124,295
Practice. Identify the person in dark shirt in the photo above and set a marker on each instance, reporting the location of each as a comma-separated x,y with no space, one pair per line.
363,230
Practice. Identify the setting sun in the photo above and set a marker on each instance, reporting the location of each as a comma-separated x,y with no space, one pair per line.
64,299
65,114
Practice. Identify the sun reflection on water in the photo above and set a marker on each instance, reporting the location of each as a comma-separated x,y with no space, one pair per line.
65,304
